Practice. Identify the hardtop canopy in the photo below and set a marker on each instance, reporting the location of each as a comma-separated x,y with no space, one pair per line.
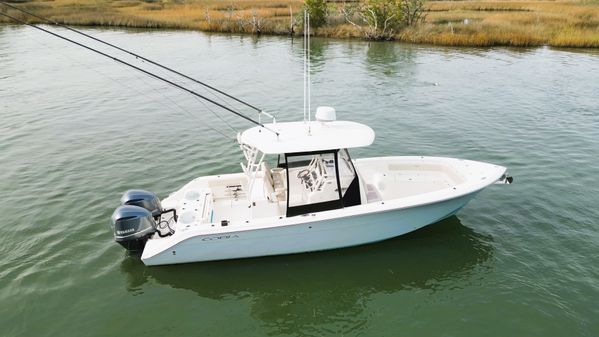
294,137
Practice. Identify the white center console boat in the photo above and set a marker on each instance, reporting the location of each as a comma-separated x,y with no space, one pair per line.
313,196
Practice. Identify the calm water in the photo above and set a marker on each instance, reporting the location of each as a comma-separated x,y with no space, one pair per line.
77,130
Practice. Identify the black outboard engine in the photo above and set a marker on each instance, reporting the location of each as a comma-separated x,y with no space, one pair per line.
133,225
144,199
138,218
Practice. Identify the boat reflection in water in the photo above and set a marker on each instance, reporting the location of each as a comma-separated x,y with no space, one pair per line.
301,291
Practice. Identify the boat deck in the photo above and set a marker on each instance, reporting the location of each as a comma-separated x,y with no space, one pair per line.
400,180
215,200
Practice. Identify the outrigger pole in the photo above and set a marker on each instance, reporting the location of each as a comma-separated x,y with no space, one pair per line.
140,69
131,53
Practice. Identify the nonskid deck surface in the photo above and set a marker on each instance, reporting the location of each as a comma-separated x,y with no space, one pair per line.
395,183
386,179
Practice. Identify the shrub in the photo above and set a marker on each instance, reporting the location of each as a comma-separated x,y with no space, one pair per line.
382,19
318,11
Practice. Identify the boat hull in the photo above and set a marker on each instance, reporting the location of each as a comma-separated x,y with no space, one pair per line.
308,236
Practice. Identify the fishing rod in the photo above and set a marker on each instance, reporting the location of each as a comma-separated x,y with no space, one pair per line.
131,53
141,70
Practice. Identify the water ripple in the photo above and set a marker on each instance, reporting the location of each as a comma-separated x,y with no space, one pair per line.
72,139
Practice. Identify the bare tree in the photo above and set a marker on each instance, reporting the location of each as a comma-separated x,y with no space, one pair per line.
253,24
292,22
207,16
230,12
256,22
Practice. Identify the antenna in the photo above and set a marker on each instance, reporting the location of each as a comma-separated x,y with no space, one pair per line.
307,84
305,61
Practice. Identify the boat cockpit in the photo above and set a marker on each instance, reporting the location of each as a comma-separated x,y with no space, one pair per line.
320,181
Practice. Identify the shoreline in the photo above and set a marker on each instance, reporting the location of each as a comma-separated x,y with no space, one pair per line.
536,23
331,38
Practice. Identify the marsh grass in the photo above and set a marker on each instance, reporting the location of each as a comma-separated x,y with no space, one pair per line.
557,23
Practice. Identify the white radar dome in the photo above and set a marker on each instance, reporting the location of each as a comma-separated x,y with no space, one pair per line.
325,114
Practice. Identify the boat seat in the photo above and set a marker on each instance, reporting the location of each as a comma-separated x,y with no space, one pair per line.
267,174
279,177
270,190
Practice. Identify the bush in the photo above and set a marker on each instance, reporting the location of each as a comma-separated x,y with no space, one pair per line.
318,11
382,19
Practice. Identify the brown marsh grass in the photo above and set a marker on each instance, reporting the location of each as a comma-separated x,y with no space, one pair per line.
557,23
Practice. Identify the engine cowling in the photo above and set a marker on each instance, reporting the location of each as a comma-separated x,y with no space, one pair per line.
144,199
133,225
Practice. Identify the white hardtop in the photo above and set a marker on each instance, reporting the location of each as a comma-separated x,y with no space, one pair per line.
294,137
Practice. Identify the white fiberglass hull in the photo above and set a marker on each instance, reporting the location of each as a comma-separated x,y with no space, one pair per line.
307,236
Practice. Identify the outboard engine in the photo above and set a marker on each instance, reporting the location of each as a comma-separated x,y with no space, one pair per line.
133,225
144,199
138,218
